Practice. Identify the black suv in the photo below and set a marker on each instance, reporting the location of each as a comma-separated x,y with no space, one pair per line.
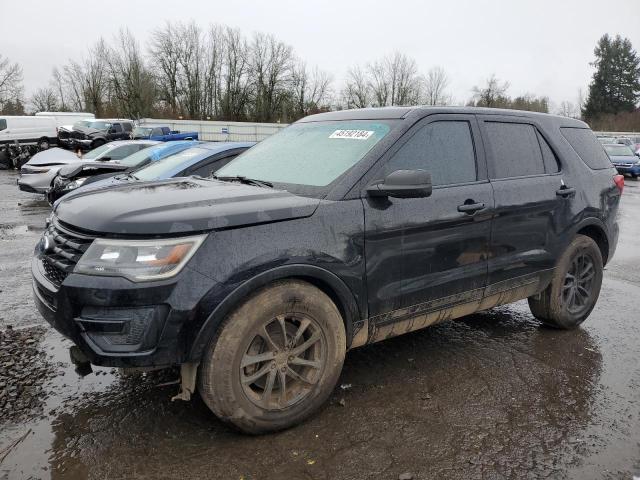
344,229
90,134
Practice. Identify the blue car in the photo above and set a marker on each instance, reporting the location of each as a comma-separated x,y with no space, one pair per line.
202,159
624,159
72,176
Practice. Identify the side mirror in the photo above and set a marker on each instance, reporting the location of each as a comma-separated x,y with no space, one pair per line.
403,184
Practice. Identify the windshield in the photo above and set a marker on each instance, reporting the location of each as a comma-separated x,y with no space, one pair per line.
161,169
82,123
619,150
99,125
308,154
96,152
141,131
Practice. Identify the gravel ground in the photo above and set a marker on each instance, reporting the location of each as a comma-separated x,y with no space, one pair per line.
492,396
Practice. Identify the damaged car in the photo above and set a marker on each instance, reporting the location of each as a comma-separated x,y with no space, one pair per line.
175,159
38,174
344,229
90,134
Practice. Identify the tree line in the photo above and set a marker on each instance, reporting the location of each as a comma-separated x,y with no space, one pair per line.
216,72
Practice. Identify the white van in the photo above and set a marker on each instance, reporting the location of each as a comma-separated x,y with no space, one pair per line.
64,119
40,131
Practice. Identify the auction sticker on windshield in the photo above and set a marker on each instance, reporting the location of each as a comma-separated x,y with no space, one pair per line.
352,134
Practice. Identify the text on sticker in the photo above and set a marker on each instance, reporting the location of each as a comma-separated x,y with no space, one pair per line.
352,134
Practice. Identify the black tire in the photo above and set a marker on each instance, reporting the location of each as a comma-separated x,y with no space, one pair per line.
97,143
574,287
252,406
5,163
44,144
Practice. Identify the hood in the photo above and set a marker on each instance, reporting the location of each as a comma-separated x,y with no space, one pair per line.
89,169
178,206
87,131
624,159
53,156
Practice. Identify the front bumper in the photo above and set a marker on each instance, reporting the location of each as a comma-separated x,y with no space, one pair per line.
37,182
630,169
119,323
76,143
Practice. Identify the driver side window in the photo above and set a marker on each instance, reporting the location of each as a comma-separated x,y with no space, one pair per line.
442,148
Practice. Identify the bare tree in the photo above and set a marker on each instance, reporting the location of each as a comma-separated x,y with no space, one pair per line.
309,90
492,94
10,82
568,109
271,68
394,80
44,100
130,82
436,83
357,90
166,50
235,77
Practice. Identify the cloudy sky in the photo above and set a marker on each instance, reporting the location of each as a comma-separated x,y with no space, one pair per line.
539,46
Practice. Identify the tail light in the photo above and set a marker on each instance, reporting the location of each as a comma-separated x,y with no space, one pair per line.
619,181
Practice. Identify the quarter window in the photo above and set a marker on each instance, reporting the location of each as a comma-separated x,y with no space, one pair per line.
549,158
586,145
515,148
127,127
443,148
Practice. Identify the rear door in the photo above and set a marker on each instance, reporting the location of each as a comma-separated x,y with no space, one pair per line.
530,207
429,254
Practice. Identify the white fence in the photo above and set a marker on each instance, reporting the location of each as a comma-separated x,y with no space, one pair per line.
215,131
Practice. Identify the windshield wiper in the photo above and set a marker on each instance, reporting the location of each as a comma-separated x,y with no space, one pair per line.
245,180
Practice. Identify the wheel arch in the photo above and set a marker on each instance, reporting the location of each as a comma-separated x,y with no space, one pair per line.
594,229
325,281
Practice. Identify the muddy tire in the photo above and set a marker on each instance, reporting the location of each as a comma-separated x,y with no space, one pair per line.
574,288
275,360
43,144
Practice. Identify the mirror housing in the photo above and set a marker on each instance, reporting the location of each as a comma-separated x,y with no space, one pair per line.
403,184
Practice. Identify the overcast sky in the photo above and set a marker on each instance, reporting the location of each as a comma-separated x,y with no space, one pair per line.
540,46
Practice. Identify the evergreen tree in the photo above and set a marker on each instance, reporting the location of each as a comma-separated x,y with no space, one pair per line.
616,82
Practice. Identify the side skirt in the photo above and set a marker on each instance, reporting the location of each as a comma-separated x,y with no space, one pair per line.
409,319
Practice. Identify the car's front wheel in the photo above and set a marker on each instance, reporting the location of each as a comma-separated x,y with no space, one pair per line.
574,288
275,359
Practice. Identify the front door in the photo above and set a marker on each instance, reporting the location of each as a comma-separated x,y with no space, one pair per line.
426,258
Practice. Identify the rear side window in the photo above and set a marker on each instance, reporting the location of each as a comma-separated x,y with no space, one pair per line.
127,127
550,160
124,151
587,146
444,149
516,151
3,123
116,127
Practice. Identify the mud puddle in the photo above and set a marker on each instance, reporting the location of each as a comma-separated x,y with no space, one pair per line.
494,395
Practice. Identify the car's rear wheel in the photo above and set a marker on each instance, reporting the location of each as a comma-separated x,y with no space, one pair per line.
43,144
275,359
97,143
574,288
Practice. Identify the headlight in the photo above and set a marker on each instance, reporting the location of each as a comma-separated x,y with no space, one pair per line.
75,184
138,260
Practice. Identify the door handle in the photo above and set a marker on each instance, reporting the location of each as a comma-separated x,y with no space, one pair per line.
470,207
565,192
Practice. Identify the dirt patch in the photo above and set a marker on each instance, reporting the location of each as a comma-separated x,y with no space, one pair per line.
24,374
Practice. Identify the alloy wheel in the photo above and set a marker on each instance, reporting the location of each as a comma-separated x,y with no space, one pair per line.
283,362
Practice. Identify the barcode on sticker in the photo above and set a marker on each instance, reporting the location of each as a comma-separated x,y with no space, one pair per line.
352,134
